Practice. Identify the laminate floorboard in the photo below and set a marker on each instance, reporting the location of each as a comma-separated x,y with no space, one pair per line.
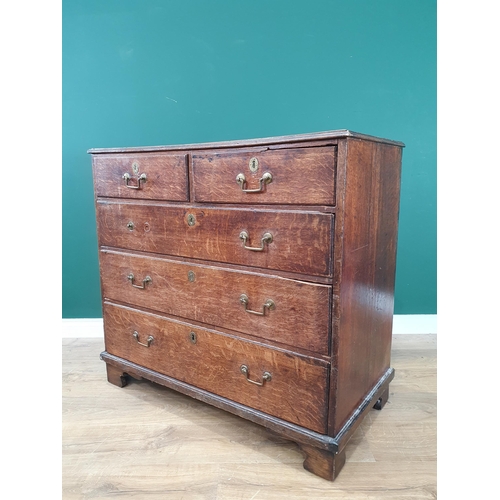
148,442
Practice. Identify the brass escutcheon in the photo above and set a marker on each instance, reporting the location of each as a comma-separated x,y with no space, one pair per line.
253,164
192,337
191,276
135,167
130,226
191,219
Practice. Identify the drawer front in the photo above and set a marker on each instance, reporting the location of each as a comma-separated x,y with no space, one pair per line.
296,391
269,307
300,176
142,176
299,241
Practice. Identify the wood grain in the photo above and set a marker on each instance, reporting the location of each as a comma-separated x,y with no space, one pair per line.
299,318
330,214
213,361
166,176
304,175
367,249
146,441
301,240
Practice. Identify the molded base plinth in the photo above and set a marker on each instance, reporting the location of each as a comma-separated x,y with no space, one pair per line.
324,454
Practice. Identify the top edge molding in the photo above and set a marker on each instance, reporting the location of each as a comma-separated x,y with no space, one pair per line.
332,134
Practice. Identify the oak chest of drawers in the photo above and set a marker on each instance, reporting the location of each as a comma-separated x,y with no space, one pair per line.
256,276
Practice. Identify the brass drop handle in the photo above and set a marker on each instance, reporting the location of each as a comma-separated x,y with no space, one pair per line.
266,238
266,376
267,178
127,177
148,340
145,281
269,304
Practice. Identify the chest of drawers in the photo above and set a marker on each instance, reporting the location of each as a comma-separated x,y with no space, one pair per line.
256,276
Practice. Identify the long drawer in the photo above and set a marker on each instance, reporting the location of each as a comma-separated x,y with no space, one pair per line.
291,387
297,175
288,311
297,241
148,176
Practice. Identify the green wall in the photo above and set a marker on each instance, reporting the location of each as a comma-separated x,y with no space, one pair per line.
152,72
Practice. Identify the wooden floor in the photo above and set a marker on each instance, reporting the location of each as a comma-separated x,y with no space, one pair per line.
148,442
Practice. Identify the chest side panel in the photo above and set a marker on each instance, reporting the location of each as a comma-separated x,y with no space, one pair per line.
369,222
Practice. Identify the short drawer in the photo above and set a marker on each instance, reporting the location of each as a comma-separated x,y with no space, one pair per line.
303,176
295,241
291,387
142,176
283,310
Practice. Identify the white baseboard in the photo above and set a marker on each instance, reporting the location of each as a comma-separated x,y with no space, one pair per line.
414,323
82,327
403,323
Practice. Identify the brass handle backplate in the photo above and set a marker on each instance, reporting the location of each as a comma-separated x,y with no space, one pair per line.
148,340
266,238
267,178
126,177
269,304
266,376
145,281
